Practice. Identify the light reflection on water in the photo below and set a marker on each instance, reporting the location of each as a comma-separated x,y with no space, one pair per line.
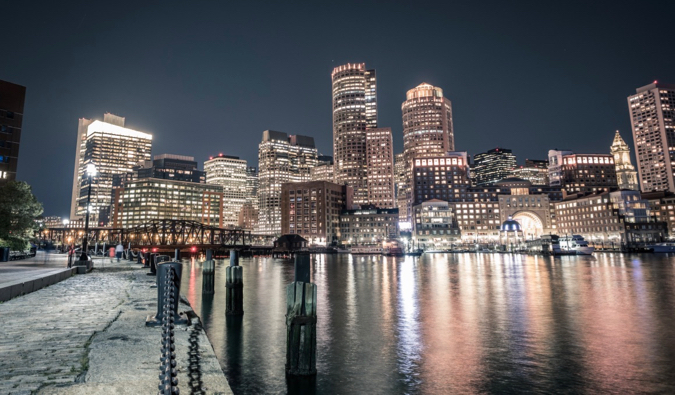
458,323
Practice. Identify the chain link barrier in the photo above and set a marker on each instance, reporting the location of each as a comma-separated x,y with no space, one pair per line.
168,380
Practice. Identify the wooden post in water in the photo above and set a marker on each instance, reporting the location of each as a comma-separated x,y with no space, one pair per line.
301,321
208,274
234,299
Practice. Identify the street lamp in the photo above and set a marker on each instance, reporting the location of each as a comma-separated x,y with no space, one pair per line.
91,173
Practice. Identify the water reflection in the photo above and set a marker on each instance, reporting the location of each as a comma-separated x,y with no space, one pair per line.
457,323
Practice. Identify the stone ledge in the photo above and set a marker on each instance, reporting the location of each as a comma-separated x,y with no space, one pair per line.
26,286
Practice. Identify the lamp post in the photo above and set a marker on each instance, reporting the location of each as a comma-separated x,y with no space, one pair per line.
91,173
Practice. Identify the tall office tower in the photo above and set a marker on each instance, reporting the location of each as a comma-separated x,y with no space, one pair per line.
171,167
12,97
324,169
493,165
652,116
354,110
281,158
427,123
380,160
115,150
230,173
248,215
400,172
626,176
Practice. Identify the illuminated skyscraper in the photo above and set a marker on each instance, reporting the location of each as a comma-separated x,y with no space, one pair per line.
115,150
12,97
230,173
427,123
652,116
493,165
380,160
626,176
282,158
354,110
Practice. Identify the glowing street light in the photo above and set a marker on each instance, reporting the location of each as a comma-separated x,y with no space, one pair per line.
91,173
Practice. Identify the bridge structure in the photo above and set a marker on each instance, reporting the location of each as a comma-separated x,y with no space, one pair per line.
164,235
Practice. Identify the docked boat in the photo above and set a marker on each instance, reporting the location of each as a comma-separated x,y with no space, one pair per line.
415,252
366,250
662,247
392,248
342,250
575,243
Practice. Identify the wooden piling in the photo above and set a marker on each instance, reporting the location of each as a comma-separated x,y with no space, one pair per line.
301,321
208,276
234,283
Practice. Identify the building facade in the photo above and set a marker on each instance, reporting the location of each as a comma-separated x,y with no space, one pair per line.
282,159
619,218
380,160
535,175
312,210
12,97
493,165
114,150
662,206
354,110
323,172
626,176
171,167
582,173
229,172
440,177
652,117
435,226
368,226
400,182
143,200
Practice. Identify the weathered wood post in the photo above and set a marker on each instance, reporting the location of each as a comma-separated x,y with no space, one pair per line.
208,274
176,254
301,321
234,300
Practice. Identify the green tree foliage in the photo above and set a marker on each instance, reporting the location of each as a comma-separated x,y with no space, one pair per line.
18,211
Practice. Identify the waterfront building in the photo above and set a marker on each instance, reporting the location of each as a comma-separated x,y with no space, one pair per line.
625,172
493,165
662,206
511,234
12,97
369,225
115,150
380,160
231,173
440,177
312,210
354,110
532,209
282,159
435,226
585,173
652,117
142,200
609,218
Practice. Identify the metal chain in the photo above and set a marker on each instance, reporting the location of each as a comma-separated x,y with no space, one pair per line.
168,380
194,368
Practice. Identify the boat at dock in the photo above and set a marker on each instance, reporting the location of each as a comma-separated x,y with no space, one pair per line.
575,243
662,247
366,250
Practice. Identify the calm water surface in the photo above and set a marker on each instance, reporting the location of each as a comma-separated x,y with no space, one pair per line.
454,323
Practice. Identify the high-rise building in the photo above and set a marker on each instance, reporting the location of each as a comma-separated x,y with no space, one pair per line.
312,210
171,167
534,175
282,159
440,177
427,122
12,97
400,176
626,175
324,169
230,173
380,155
354,110
536,163
252,186
652,116
115,150
493,165
582,173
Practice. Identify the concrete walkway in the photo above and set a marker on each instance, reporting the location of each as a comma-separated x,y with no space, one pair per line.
87,335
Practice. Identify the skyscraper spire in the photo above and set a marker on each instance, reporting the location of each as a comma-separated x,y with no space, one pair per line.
626,176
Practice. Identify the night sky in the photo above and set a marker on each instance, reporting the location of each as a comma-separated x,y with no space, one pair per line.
206,78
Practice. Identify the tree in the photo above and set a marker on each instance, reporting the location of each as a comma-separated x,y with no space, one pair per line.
18,211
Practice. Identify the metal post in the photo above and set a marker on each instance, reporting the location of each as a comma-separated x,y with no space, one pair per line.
209,255
84,256
177,255
234,296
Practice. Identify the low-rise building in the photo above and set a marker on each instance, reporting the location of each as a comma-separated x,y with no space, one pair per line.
609,218
312,210
582,173
368,225
662,205
435,226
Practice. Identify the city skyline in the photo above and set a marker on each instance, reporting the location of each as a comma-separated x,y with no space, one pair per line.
585,97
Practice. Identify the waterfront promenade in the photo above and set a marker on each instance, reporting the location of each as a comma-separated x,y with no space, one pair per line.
87,335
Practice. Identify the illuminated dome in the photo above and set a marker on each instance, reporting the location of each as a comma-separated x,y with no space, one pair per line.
510,225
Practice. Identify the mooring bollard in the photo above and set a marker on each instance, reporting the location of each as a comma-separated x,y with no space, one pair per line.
209,255
153,265
234,300
176,255
146,259
301,321
167,290
208,274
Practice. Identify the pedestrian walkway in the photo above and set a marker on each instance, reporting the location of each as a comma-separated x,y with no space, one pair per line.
87,335
13,271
